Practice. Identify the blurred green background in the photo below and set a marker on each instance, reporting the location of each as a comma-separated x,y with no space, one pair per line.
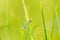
45,15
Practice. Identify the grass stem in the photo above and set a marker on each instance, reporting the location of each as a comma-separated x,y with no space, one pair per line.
44,26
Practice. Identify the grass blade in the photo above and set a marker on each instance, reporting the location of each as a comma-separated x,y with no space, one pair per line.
44,26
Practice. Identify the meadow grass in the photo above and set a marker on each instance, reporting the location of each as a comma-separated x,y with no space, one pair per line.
33,30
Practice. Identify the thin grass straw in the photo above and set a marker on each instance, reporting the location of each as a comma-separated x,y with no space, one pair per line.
44,26
35,27
26,14
56,15
52,30
8,17
41,7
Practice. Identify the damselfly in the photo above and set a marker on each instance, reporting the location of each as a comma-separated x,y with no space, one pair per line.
26,25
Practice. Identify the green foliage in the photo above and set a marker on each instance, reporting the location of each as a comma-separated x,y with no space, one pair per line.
45,15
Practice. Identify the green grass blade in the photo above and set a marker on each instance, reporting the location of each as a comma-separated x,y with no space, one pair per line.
44,26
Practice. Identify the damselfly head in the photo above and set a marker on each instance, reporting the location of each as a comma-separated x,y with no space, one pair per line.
30,20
